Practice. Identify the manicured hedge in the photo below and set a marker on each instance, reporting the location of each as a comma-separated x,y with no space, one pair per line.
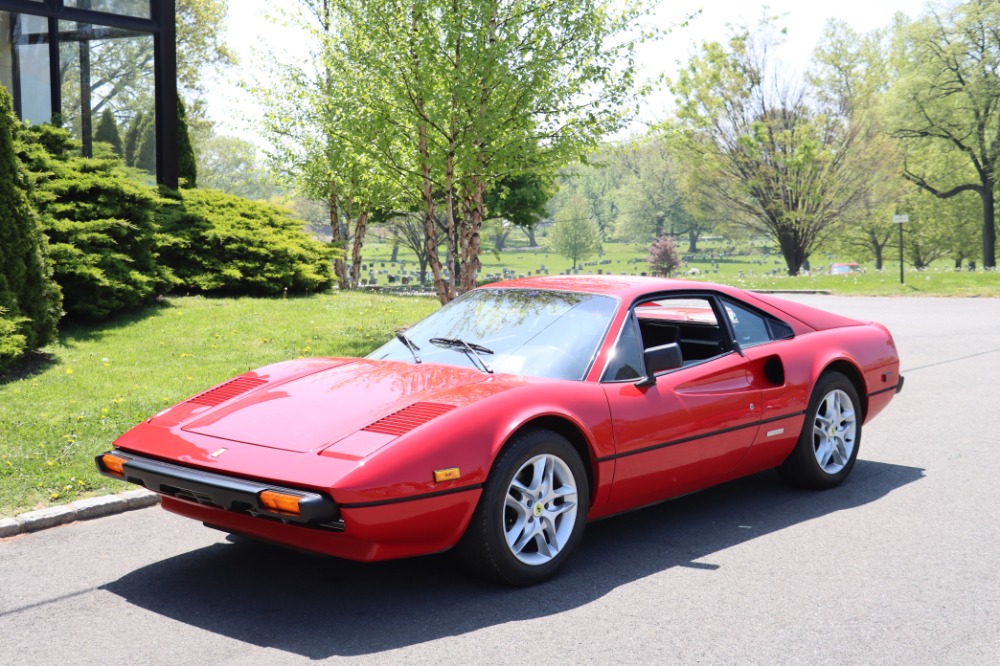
100,224
221,243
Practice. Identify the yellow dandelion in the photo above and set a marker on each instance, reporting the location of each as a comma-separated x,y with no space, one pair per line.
69,371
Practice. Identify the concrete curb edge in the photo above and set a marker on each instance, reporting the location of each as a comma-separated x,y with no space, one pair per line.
85,509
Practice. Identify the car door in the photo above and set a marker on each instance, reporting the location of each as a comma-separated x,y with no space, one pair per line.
692,427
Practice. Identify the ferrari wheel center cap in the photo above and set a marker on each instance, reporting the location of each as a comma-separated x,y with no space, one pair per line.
538,509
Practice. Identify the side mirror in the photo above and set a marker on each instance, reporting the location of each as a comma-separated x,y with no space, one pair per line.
660,359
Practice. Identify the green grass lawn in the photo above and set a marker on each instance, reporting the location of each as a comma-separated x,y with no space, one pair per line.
100,380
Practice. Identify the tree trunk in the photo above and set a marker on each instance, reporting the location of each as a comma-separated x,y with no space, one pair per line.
337,239
359,241
430,226
531,236
693,240
472,238
792,251
989,223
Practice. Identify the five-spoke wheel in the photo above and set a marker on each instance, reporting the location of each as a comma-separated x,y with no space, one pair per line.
532,511
831,435
539,512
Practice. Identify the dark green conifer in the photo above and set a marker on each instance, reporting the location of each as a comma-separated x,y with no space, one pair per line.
107,131
187,168
132,138
29,298
145,152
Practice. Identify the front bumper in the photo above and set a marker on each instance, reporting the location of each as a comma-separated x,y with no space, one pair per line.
221,491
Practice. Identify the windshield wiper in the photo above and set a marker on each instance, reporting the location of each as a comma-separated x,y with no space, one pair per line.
470,348
409,344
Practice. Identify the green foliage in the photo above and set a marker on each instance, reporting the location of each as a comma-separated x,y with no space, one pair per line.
145,150
29,299
219,243
132,136
231,164
575,234
187,167
945,105
107,131
430,105
100,226
12,342
759,151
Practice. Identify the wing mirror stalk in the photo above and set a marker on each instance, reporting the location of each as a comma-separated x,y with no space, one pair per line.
660,359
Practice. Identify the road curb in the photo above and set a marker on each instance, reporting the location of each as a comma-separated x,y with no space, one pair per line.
85,509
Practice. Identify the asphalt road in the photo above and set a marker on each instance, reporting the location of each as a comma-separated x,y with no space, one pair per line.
900,565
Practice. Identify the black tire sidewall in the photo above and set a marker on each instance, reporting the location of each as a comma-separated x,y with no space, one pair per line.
485,547
802,468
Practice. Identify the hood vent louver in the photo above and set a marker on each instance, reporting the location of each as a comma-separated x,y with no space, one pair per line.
227,391
408,418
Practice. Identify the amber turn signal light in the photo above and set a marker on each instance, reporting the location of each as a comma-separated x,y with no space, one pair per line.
280,502
113,464
450,474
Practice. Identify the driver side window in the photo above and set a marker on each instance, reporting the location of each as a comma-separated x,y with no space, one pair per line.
626,360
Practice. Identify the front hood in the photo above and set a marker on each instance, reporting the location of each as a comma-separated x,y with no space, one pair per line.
312,412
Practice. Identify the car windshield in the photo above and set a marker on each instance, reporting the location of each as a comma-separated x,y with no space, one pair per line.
532,332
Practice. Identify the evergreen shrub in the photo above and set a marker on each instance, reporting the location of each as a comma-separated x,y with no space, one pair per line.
29,298
100,224
221,243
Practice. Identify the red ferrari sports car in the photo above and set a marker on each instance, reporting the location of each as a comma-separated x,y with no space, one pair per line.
506,420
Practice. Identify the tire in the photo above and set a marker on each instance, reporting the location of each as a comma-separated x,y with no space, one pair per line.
831,436
531,515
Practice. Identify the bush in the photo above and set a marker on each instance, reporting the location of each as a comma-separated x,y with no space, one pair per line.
218,242
100,225
29,298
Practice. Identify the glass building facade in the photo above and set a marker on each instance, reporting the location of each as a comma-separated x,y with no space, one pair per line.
76,62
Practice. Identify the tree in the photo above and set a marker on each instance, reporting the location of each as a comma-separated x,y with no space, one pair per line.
850,76
145,150
520,201
187,167
320,127
107,131
232,165
132,136
663,256
947,97
574,233
761,152
29,299
454,97
649,198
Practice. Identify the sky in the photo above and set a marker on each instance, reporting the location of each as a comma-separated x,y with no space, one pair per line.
234,111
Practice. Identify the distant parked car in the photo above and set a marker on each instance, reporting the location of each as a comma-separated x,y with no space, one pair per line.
845,269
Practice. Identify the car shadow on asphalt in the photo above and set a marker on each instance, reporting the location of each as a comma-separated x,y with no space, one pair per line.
321,607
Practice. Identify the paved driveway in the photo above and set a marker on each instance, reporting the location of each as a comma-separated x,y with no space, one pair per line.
901,565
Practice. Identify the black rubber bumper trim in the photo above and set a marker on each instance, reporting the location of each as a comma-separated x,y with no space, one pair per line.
896,389
223,491
412,498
